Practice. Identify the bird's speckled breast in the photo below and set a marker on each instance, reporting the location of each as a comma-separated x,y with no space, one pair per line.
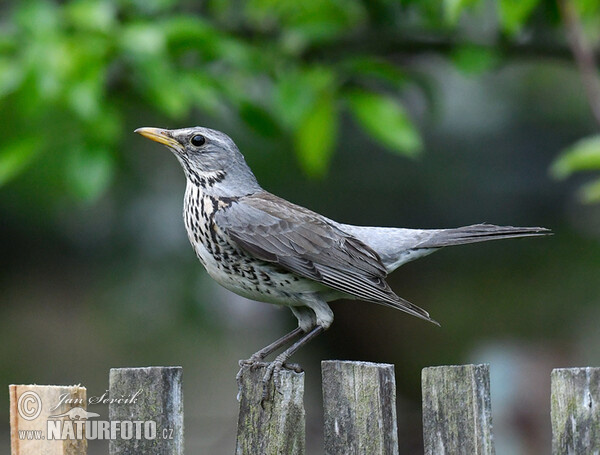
231,266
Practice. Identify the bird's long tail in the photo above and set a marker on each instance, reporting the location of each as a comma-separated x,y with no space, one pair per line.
397,246
478,233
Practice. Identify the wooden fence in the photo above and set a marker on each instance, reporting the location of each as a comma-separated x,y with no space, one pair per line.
359,402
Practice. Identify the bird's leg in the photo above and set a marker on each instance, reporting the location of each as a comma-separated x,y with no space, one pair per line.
260,355
257,358
276,365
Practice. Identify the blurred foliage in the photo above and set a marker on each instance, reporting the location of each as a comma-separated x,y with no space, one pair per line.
584,155
70,73
488,88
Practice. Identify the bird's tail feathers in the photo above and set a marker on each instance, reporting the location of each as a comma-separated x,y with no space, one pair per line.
410,308
479,233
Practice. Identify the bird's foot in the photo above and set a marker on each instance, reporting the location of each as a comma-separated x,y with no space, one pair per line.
273,373
253,363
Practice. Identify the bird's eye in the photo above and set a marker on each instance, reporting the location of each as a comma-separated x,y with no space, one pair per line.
198,140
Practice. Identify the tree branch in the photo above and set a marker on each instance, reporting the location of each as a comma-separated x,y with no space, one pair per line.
391,44
583,53
394,45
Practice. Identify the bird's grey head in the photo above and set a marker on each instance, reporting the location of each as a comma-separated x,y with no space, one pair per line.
210,159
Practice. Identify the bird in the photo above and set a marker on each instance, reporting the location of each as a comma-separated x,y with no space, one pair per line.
265,248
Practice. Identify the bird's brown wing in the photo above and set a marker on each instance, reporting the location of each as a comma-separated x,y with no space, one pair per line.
308,244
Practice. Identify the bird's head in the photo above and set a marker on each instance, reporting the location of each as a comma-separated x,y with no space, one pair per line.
210,159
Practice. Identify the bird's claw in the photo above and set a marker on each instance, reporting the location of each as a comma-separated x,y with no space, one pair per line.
273,374
255,360
295,367
253,363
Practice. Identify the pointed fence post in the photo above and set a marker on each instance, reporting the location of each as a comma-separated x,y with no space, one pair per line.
153,397
32,431
278,425
457,417
359,401
575,411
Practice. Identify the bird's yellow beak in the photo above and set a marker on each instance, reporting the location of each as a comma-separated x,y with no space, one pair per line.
158,135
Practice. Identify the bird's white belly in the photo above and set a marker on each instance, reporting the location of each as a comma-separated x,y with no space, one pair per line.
271,286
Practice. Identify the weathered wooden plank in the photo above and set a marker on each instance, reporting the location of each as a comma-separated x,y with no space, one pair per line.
575,411
152,394
457,415
278,425
359,401
30,409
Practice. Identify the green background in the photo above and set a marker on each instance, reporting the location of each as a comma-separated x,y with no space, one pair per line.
419,114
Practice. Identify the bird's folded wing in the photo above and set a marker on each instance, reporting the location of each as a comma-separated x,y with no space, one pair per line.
308,244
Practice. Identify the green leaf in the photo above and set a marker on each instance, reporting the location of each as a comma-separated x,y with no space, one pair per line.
514,14
590,192
189,32
475,60
151,6
296,92
376,69
202,91
315,20
293,96
105,128
315,137
92,15
16,156
142,40
259,119
584,155
89,172
85,97
239,54
386,120
587,9
38,17
454,8
163,88
11,76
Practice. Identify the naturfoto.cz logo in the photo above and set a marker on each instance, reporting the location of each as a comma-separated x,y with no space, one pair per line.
75,423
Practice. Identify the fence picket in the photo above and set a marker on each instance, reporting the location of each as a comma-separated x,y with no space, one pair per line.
575,409
26,401
359,401
359,411
160,400
457,414
276,426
